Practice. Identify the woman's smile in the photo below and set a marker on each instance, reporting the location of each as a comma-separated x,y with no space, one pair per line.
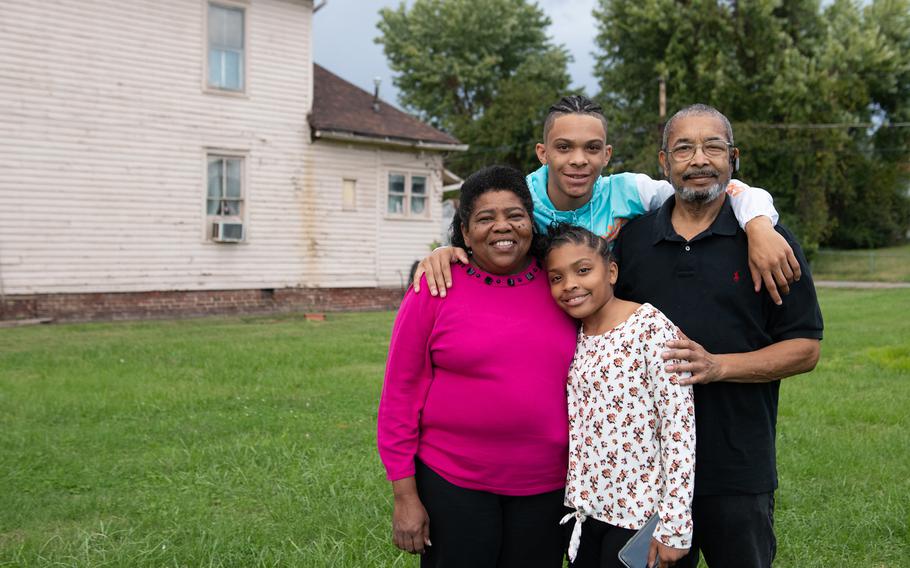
499,233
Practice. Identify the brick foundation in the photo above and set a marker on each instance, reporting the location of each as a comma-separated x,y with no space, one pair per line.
178,304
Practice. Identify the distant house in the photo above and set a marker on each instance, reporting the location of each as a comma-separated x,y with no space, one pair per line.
395,161
187,157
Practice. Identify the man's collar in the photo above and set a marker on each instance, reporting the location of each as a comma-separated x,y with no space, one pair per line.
724,224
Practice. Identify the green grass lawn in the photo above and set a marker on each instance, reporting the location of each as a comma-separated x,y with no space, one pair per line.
885,265
250,442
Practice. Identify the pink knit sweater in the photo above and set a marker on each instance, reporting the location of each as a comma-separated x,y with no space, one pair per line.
475,384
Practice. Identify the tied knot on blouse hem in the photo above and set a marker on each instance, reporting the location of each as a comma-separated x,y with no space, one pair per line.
575,539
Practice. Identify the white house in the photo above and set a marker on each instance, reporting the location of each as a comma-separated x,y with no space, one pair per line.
186,156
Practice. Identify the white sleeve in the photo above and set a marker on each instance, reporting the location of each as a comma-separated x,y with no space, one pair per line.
652,192
750,202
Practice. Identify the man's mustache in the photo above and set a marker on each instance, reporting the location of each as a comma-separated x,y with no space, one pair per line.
700,173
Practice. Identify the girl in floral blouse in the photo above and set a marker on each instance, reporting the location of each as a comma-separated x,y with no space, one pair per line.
632,426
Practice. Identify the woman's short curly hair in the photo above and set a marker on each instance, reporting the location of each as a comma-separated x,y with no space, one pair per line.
493,178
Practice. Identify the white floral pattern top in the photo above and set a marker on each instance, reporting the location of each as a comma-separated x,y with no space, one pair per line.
632,430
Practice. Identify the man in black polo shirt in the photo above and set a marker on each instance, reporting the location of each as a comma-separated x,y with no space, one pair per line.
689,259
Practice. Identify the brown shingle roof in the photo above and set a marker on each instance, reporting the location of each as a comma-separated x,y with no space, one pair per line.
339,106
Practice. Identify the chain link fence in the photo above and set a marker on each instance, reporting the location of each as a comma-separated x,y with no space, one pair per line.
888,265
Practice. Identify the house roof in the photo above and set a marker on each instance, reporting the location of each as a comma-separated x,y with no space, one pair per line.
343,111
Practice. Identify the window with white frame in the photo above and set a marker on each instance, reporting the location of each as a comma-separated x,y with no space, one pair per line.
224,204
408,195
226,47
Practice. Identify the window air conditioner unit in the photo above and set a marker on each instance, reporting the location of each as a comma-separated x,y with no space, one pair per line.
227,232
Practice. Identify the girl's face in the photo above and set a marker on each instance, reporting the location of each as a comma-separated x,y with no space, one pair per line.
581,281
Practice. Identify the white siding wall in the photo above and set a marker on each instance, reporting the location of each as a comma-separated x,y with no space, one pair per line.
402,241
104,127
365,247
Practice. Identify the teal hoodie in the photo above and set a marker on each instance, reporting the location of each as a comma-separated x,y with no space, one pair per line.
618,198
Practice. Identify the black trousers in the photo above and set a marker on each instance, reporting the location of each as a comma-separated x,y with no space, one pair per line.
477,529
732,531
600,544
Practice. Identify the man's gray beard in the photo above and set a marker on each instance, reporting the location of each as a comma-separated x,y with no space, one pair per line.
705,196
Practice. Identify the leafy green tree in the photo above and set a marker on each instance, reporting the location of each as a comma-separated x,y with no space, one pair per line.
792,76
483,70
511,125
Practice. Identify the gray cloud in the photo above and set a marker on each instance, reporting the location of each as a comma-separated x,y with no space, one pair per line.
344,30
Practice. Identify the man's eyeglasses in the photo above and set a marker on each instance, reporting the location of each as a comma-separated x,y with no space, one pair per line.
711,148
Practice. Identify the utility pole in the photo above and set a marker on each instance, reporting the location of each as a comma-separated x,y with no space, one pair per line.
662,104
661,112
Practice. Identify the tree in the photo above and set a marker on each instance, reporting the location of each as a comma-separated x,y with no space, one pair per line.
483,70
795,79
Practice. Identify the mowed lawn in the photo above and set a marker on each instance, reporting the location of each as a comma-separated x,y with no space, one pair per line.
250,442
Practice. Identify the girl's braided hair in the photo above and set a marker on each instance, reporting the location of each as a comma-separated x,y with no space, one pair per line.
565,233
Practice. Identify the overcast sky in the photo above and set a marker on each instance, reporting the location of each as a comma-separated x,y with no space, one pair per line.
344,30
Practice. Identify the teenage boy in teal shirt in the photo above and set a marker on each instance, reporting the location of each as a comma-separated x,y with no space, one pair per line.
568,187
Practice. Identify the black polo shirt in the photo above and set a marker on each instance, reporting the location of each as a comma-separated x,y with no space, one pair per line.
704,287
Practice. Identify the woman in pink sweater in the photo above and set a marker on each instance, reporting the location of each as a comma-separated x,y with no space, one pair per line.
473,427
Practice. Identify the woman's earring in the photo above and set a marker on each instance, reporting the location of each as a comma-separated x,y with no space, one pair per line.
470,251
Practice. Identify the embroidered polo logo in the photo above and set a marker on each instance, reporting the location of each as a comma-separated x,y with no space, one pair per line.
736,276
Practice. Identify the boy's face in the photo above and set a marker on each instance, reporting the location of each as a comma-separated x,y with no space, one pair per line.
576,152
